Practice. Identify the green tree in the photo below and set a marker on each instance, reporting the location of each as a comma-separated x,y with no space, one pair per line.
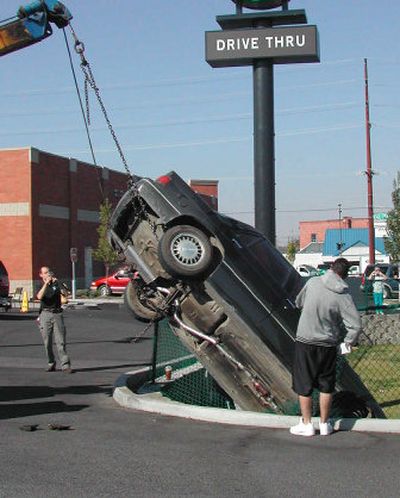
292,248
104,252
392,242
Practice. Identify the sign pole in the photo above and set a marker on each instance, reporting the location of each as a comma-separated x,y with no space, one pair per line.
262,40
73,254
264,149
73,281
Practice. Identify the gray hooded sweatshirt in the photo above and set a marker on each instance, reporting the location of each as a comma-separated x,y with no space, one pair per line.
326,307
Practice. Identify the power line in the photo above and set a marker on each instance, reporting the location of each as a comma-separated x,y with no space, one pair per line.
317,210
165,83
182,101
305,131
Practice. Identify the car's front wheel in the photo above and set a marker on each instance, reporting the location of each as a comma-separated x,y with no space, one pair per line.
104,290
185,251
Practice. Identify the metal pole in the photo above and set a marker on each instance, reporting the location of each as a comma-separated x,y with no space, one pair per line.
340,228
264,148
369,172
73,280
154,357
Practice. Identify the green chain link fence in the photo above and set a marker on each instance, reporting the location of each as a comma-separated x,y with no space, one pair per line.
376,360
192,384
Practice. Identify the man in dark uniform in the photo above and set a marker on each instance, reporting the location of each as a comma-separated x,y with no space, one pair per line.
51,320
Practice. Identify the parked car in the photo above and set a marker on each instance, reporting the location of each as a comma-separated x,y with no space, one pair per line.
354,271
307,271
114,284
323,268
227,292
4,288
390,286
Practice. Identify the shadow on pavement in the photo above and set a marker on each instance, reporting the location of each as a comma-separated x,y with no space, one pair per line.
28,409
135,338
12,317
13,393
124,340
127,365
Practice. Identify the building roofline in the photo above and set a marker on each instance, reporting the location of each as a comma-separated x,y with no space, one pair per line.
335,220
30,148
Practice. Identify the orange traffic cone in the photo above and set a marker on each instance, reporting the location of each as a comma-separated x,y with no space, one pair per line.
25,302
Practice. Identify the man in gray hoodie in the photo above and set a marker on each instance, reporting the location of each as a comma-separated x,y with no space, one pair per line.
328,313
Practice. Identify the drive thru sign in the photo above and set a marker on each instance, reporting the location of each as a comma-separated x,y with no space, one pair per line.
262,40
280,45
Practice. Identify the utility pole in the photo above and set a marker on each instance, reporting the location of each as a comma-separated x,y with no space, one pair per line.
369,172
339,244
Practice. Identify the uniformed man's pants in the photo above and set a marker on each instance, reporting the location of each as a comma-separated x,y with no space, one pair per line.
53,323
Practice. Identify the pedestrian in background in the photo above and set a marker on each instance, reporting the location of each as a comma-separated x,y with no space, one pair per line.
326,306
51,320
377,277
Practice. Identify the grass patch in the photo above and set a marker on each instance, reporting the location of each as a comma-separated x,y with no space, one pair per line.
379,368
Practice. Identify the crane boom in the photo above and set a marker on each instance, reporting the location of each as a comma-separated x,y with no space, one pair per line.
32,24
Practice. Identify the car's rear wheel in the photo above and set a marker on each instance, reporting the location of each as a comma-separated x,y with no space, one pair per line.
104,290
185,251
142,302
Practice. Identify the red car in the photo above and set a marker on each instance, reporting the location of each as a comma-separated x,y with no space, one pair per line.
114,284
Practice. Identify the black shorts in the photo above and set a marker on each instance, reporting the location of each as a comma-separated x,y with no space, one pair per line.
314,367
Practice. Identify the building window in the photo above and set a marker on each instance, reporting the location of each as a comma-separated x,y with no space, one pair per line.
313,237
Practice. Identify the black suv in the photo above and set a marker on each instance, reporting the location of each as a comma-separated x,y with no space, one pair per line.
390,286
226,291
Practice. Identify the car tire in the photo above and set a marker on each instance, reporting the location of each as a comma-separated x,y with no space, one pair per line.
104,291
136,304
387,294
185,251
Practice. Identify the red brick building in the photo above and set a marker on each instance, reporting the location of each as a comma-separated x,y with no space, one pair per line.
49,204
314,231
208,190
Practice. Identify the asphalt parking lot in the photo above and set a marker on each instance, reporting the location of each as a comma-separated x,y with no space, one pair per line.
109,451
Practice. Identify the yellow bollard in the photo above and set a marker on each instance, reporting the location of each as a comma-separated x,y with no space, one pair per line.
25,302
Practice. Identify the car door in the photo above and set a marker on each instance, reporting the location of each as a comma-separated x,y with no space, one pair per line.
119,281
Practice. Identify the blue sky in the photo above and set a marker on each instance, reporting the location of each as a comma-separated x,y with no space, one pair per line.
171,110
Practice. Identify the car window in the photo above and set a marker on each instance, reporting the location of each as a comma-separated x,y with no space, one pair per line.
384,269
370,268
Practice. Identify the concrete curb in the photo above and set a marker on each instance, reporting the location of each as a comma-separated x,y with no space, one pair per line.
156,403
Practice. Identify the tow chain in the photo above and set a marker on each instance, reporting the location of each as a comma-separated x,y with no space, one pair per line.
142,333
91,82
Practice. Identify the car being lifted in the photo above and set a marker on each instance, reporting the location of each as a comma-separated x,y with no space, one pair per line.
227,292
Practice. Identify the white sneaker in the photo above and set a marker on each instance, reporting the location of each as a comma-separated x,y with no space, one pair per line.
302,429
325,428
